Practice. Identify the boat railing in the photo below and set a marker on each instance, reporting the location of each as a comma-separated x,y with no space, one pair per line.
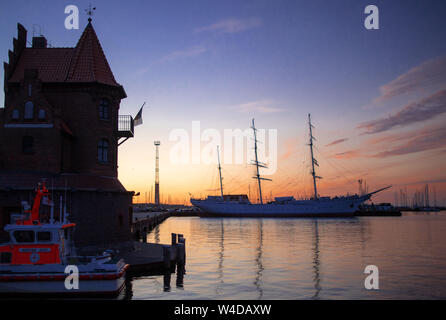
88,259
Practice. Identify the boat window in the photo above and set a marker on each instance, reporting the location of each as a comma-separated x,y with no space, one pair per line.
67,233
24,235
5,257
44,236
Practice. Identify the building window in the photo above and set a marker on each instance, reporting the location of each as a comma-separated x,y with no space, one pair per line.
42,114
15,114
104,109
29,110
103,151
30,90
28,144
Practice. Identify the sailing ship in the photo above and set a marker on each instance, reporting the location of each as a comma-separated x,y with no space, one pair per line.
36,257
239,205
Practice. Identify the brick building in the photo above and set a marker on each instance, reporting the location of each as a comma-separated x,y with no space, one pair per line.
60,123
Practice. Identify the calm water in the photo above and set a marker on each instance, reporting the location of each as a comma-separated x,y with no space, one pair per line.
305,258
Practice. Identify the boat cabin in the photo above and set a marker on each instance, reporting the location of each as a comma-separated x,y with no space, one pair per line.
33,242
240,198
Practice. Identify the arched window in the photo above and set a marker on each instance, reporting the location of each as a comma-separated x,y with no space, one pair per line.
103,151
29,110
28,144
104,109
15,114
42,114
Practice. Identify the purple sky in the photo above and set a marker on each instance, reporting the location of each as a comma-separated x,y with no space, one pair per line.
377,97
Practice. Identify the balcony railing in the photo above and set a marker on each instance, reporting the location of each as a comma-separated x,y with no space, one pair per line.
125,126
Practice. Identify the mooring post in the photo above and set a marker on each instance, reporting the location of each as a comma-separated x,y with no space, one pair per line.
166,279
174,238
166,257
182,241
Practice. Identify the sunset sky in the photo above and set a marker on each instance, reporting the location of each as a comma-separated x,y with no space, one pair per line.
377,98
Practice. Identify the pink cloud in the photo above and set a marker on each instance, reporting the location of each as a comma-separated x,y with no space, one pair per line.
336,142
232,25
425,109
429,73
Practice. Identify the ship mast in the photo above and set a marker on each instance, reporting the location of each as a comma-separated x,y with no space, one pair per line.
219,171
313,160
258,164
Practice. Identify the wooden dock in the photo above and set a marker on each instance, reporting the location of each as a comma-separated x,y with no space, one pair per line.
144,221
153,258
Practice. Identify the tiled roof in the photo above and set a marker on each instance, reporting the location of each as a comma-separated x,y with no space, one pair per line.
84,63
52,63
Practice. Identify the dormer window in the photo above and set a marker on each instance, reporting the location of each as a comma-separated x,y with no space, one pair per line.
103,151
42,114
29,110
15,114
104,109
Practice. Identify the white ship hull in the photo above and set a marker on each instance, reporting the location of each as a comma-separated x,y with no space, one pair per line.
97,279
297,208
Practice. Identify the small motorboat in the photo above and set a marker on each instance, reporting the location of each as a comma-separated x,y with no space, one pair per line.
40,257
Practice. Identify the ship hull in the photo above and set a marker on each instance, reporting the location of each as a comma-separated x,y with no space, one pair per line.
303,208
50,280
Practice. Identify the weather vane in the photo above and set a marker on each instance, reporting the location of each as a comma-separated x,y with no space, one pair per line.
90,12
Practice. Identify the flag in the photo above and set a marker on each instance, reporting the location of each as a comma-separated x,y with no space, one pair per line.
138,118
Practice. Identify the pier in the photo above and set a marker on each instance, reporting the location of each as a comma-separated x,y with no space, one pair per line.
144,221
153,258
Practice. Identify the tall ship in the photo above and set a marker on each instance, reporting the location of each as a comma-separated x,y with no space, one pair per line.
239,205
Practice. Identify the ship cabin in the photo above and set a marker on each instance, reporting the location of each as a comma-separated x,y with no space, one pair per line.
239,198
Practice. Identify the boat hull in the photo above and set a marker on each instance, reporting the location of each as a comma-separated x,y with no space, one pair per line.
86,288
18,281
303,209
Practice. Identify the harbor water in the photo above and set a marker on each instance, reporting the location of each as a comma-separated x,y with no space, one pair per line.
231,258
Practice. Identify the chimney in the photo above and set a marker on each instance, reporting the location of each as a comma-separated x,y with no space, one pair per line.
39,42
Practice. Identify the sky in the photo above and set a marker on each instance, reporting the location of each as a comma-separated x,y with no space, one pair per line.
377,98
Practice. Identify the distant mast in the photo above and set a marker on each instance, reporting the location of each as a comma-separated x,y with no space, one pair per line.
258,164
219,171
313,160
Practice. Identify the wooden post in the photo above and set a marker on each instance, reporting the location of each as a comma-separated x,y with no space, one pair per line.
183,241
166,256
166,279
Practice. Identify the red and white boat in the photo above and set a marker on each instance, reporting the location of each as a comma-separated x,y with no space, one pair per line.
40,258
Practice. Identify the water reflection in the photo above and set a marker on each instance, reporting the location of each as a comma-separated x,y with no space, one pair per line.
316,262
220,257
305,258
156,232
258,260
